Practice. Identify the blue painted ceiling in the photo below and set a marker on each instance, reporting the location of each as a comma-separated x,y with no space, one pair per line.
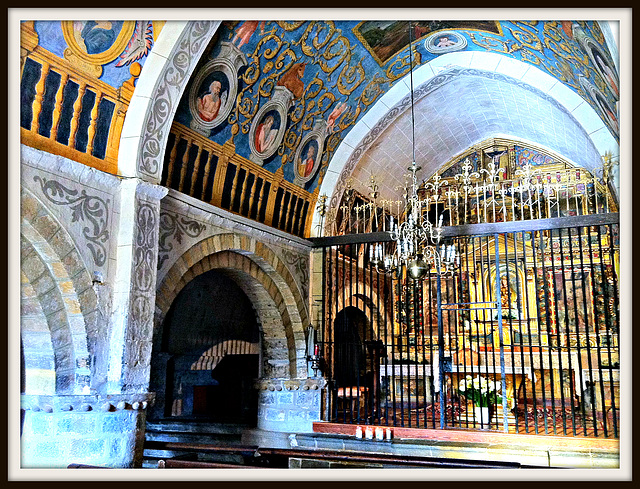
355,63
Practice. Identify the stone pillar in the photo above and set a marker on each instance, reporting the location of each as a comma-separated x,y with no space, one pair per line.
290,405
134,294
98,430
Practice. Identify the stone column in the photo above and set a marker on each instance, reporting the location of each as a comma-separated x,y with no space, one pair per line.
135,287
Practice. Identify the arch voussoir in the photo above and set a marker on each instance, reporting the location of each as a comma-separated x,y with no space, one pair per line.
240,253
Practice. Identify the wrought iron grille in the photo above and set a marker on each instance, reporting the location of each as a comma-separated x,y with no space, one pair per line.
532,309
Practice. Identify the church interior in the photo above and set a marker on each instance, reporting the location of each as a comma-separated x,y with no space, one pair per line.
319,244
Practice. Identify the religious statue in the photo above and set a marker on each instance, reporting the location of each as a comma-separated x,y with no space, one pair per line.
508,299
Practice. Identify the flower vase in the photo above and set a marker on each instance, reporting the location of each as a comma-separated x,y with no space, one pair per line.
482,416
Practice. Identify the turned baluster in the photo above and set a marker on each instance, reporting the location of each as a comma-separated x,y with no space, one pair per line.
77,108
92,125
260,197
185,162
234,187
253,194
243,191
205,178
296,221
172,160
283,216
196,167
57,110
293,202
37,101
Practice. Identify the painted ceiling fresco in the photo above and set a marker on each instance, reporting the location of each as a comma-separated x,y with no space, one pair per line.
287,93
106,49
335,71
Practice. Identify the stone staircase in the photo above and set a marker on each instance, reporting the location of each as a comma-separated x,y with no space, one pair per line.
193,433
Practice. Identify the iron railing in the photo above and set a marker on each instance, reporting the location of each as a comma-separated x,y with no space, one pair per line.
533,307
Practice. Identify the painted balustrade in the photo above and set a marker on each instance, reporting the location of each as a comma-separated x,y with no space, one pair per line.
215,174
44,130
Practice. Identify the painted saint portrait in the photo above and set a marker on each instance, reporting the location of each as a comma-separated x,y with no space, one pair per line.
608,111
445,42
307,159
212,96
98,42
267,131
96,36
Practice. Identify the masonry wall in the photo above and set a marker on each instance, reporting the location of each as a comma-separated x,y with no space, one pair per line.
78,402
106,431
290,406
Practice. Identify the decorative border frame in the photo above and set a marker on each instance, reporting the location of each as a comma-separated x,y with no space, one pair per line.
128,28
168,87
318,134
593,92
228,62
589,46
429,42
280,102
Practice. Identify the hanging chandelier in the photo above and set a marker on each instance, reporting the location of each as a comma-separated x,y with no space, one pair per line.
418,241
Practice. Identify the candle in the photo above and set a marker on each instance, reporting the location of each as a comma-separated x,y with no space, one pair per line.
368,433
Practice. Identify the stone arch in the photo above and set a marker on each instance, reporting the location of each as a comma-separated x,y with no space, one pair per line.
376,314
365,298
159,89
235,253
59,283
39,369
396,100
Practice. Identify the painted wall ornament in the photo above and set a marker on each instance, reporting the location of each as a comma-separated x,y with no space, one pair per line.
606,109
214,89
292,79
269,125
172,228
90,210
309,153
139,45
601,63
445,42
93,43
384,39
166,96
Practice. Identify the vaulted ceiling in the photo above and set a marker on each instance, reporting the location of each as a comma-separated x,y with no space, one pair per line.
535,82
552,84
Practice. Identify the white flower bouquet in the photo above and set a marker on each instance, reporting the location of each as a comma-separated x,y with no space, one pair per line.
482,392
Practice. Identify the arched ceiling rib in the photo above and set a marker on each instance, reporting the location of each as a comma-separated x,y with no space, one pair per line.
459,108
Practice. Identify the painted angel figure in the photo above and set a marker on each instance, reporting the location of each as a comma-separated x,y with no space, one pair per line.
139,44
335,113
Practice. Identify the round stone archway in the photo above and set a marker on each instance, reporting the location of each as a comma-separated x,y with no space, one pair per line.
258,274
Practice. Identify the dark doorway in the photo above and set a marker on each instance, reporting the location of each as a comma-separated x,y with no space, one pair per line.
349,364
210,354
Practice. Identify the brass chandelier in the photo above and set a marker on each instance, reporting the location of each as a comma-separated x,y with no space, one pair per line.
418,241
